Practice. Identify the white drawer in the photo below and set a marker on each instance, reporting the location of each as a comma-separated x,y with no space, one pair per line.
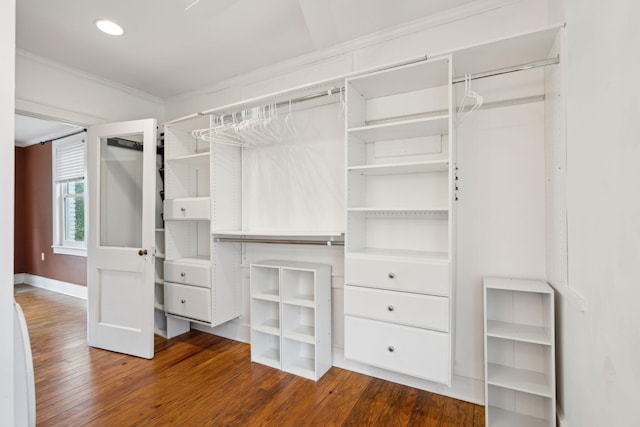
426,278
413,351
187,274
195,208
423,311
187,301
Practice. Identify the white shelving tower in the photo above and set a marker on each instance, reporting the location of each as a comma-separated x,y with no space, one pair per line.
291,317
400,219
519,339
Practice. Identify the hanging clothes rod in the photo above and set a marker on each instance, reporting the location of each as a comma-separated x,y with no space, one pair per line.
279,241
512,69
63,136
311,97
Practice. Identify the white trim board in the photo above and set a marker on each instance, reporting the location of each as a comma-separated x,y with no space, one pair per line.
58,286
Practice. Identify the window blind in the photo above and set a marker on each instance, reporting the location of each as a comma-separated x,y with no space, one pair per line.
69,161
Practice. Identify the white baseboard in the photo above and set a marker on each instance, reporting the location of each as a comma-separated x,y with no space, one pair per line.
18,278
58,286
463,388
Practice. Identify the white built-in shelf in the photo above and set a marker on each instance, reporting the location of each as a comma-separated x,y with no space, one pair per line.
401,168
403,79
199,159
270,357
199,260
400,209
302,367
518,285
271,326
304,334
300,300
159,230
519,379
159,281
405,129
160,255
518,332
499,417
267,295
397,254
159,307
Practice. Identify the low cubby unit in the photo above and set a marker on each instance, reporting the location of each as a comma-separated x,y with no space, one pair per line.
291,302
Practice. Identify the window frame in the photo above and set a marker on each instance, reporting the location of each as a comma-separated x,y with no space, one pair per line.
60,245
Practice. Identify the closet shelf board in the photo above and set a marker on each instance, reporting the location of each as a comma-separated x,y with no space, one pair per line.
302,367
270,358
305,334
499,417
271,327
401,168
400,209
405,129
281,233
407,78
518,332
519,379
201,260
267,295
396,254
159,307
192,159
518,285
300,300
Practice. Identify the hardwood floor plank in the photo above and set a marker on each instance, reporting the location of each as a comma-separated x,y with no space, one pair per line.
198,379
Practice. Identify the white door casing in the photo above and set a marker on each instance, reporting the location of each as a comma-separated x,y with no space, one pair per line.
121,161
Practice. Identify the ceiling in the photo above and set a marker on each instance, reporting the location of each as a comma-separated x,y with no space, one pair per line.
176,46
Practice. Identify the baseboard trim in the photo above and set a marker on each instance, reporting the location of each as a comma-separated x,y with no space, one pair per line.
58,286
18,278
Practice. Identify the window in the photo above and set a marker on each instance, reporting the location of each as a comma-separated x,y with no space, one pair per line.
69,166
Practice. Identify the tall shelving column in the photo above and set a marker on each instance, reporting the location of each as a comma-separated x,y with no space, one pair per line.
519,341
400,220
187,205
160,318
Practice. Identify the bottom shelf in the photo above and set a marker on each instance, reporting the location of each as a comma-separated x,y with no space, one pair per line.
498,417
270,357
302,367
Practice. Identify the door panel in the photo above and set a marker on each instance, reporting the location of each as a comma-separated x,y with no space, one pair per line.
120,265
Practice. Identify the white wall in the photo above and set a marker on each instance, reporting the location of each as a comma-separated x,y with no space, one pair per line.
7,55
599,372
50,89
501,166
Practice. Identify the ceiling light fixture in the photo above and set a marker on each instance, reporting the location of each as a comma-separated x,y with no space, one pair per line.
109,27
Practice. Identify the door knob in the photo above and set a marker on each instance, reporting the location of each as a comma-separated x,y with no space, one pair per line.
142,252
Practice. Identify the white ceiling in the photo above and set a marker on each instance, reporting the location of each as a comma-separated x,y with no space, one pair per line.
30,130
167,50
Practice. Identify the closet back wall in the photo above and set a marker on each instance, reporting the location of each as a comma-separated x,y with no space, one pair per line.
34,233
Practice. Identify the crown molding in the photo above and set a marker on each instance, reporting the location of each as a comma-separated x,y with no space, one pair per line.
88,76
447,16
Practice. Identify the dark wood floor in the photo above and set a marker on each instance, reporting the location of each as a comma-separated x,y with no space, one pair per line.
199,379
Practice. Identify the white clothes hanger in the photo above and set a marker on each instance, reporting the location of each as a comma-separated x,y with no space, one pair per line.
469,95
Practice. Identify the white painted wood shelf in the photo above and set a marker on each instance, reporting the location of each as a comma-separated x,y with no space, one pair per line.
401,168
519,337
403,129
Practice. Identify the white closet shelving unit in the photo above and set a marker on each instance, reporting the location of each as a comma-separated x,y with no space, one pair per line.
519,353
187,266
291,317
400,219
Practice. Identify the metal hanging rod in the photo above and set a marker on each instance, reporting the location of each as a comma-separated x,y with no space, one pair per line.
280,241
512,69
63,136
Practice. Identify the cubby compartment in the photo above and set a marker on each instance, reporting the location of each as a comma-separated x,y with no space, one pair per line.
188,241
265,282
265,316
298,323
507,408
179,140
299,358
188,176
265,349
298,287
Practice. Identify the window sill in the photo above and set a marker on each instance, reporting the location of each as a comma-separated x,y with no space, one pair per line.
66,250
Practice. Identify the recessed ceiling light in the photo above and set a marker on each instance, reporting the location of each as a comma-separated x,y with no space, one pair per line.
109,27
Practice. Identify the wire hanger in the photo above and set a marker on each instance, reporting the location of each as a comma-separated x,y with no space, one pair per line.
469,96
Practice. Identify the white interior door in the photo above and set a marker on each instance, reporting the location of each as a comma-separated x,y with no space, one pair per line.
120,267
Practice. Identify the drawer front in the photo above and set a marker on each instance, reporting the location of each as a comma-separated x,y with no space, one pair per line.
417,352
187,274
423,311
426,278
187,301
188,208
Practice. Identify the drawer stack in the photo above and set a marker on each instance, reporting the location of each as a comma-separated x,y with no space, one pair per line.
188,290
397,316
